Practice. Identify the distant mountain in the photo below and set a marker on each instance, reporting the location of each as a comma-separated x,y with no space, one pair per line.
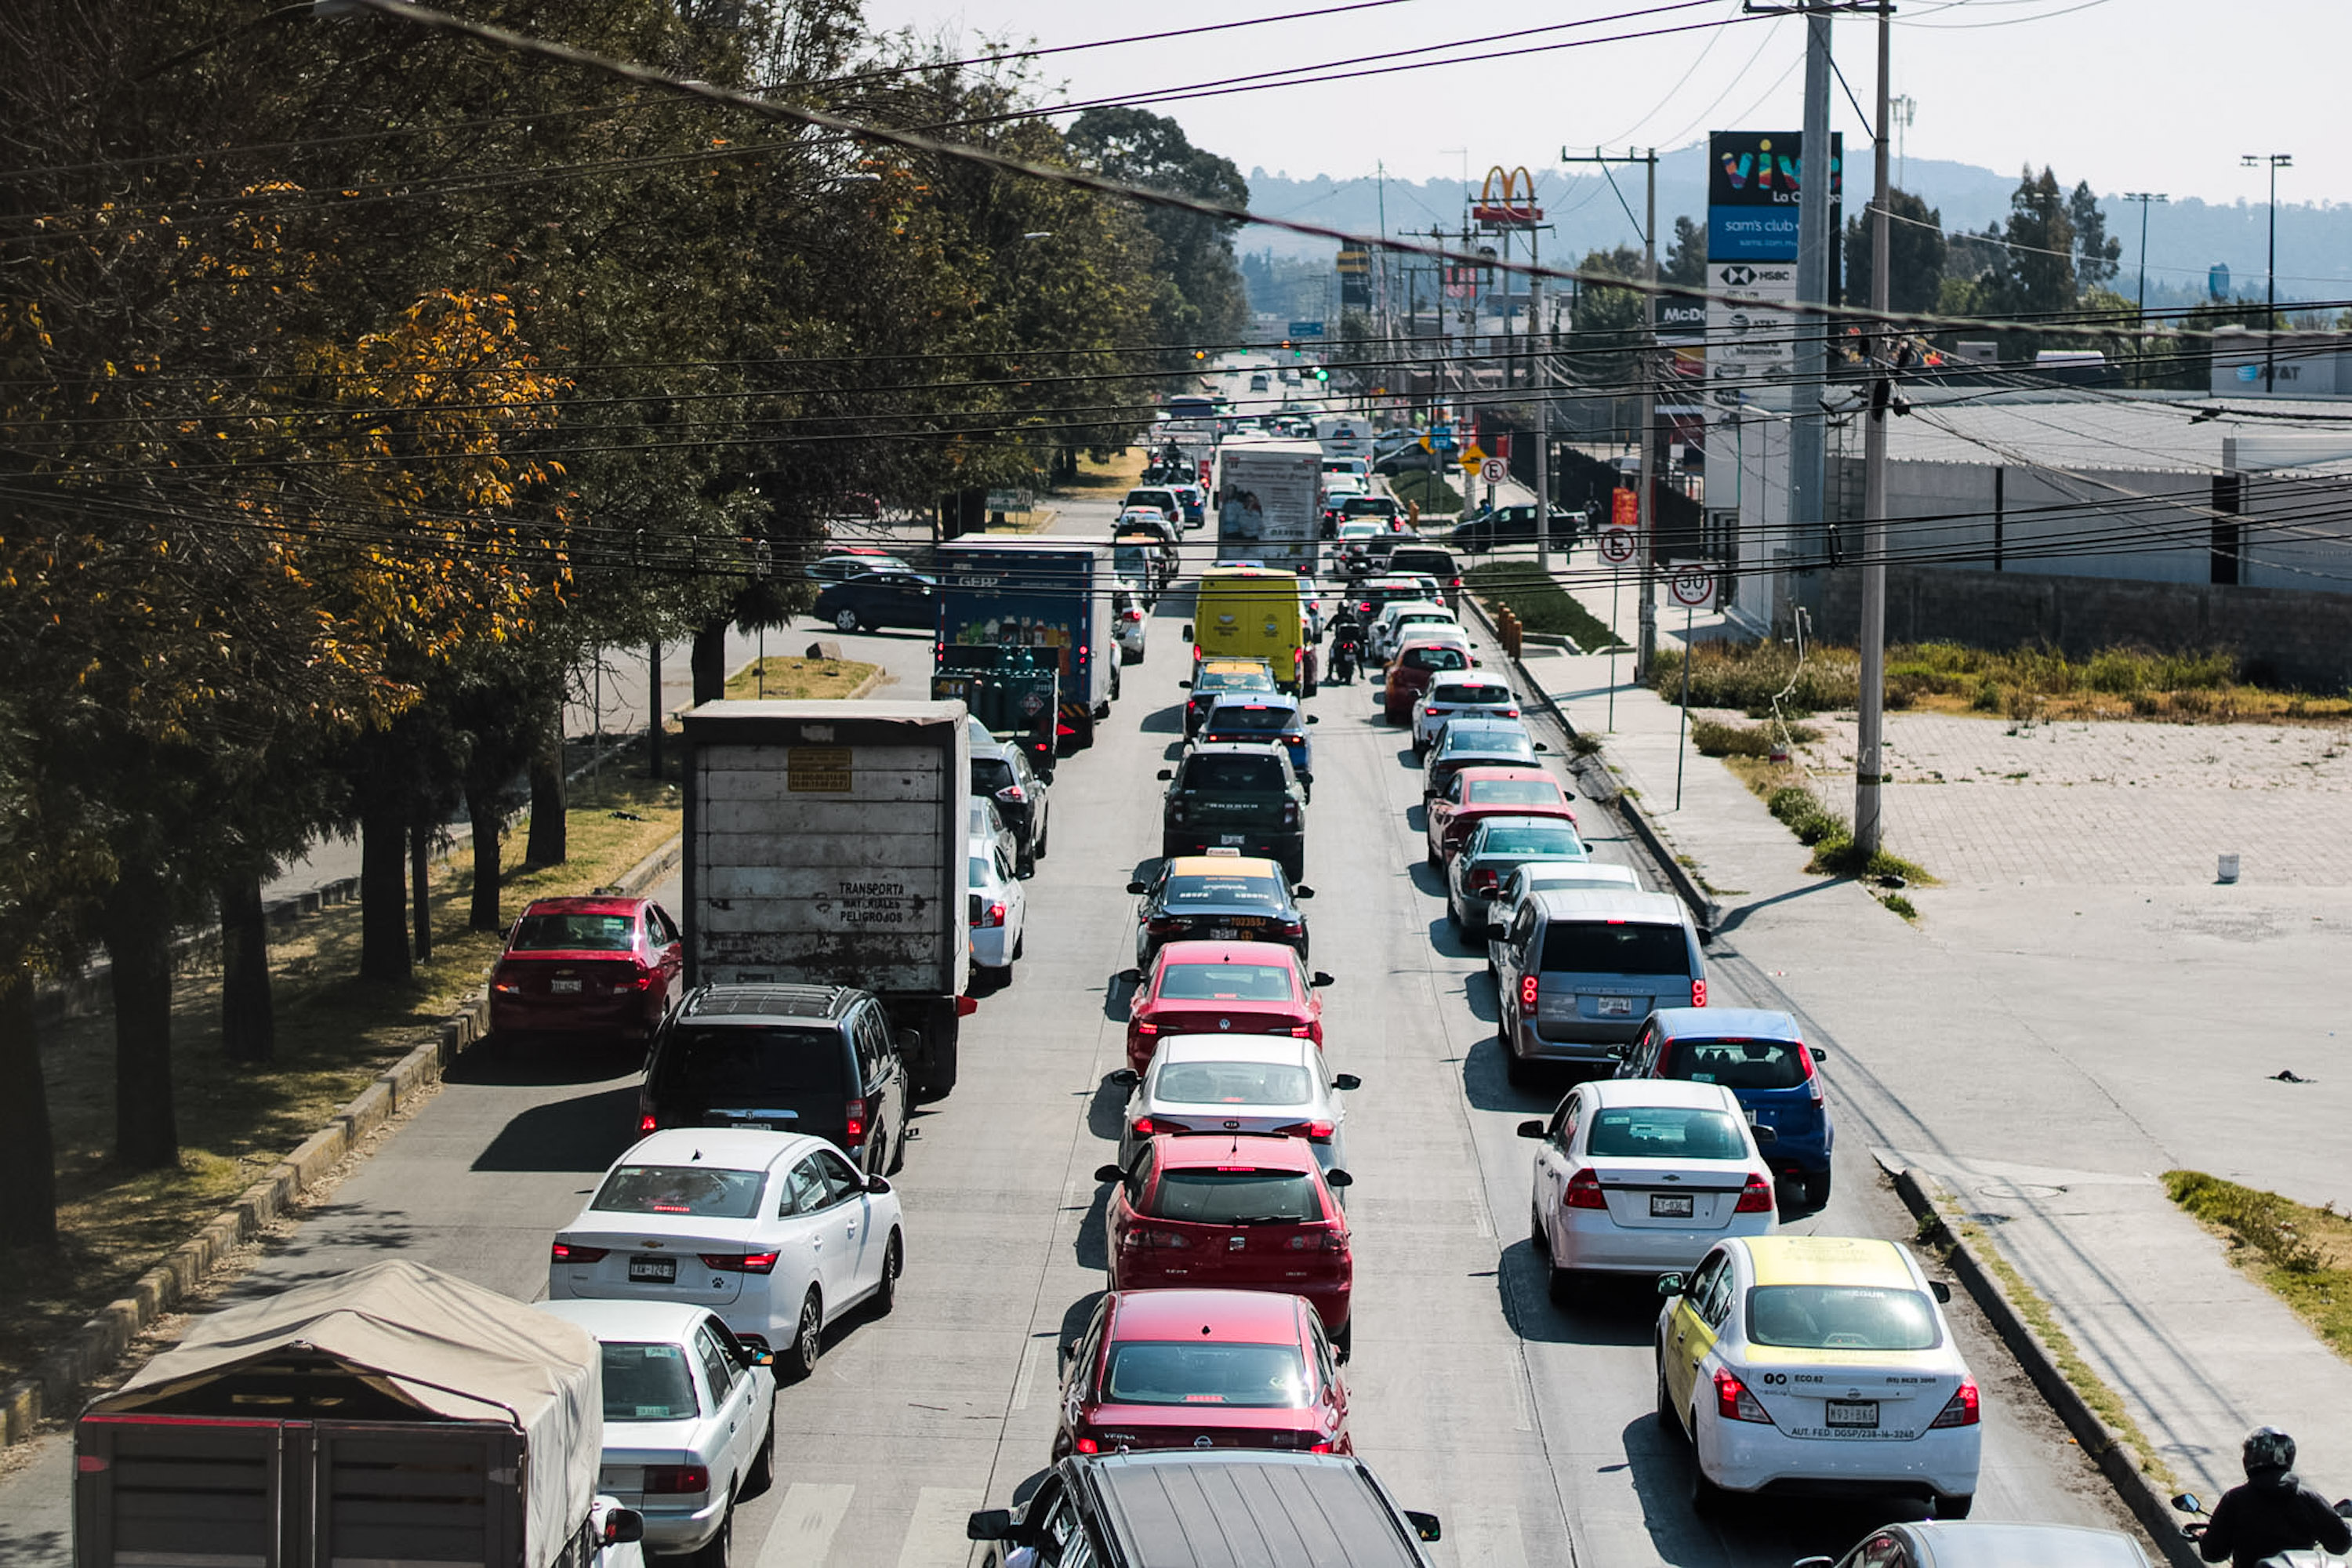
2184,238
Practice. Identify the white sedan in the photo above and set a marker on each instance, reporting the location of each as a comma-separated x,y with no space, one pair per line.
998,909
1238,1083
775,1232
1641,1176
689,1417
1451,697
1411,617
1128,624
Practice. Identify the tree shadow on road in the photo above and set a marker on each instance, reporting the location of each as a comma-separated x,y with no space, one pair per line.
582,1133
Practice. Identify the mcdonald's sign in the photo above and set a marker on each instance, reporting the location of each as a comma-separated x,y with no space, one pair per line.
1506,199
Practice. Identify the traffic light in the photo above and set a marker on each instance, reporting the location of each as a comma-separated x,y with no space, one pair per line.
1322,375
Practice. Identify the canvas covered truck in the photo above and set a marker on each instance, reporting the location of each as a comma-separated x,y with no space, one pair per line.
825,845
392,1415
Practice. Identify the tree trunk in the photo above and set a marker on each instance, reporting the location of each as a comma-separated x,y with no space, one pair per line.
28,1178
383,893
248,1021
138,944
654,729
420,886
482,805
709,661
547,845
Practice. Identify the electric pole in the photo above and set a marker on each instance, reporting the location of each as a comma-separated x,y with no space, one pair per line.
2276,161
1808,510
1870,712
2144,198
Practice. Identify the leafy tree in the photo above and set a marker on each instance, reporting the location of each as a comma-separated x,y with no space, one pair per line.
2094,254
1608,322
1687,258
1208,302
1915,252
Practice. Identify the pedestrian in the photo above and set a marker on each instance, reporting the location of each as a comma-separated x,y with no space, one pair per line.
1307,667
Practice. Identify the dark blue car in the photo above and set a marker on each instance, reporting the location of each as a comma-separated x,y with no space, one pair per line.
1762,1057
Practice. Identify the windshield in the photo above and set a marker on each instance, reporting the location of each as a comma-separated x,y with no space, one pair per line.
1666,1132
647,1382
990,774
600,934
1255,718
1234,775
753,1063
704,1193
1212,1195
1226,982
1512,792
1234,1083
1737,1064
1234,680
1532,841
1616,947
1841,1317
1260,1377
1264,891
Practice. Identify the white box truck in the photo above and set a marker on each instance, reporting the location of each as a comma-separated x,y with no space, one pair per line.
1269,502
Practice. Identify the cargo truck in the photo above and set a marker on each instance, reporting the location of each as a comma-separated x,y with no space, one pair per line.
1269,501
1047,593
392,1415
824,845
1014,692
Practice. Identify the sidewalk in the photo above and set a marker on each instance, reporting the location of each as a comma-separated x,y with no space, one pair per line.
2042,1040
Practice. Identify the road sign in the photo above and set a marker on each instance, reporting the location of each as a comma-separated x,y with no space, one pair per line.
1616,545
1625,509
1693,587
1473,455
1493,471
1306,330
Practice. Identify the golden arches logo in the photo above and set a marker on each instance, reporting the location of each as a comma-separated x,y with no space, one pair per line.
1515,203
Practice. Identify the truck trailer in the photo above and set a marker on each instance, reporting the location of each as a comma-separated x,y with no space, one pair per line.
1269,501
1046,594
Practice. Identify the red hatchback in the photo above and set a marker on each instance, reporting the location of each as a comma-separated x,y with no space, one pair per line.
1232,1211
1223,987
1417,664
1476,794
608,967
1202,1369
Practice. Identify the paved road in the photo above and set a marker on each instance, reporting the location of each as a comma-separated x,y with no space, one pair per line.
1527,1427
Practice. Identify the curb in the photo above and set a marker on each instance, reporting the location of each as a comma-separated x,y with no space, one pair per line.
57,1382
1918,1190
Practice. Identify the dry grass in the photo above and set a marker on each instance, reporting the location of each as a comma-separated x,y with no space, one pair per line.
1122,472
2303,1254
799,680
334,1034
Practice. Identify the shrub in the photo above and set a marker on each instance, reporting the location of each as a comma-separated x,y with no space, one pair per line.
1541,605
1988,699
1714,738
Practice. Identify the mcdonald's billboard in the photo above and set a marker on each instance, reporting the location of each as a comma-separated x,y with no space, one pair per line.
1508,199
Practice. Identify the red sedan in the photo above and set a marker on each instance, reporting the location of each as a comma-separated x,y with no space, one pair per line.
1234,1211
1214,987
1417,664
609,968
1203,1369
1477,793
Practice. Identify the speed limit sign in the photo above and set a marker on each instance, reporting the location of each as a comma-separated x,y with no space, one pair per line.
1693,587
1493,471
1617,545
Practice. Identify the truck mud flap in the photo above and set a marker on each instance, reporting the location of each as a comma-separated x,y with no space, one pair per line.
928,1029
1078,724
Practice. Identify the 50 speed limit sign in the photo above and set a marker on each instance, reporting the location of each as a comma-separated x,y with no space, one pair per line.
1617,545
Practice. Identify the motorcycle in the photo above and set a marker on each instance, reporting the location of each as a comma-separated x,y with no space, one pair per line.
2312,1558
1347,655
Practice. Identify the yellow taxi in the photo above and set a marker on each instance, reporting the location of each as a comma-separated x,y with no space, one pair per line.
1816,1364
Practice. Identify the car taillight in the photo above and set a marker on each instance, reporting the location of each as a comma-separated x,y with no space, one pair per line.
1302,1031
1160,1240
1291,814
741,1262
1960,1410
1483,880
857,1121
1583,1192
1011,793
1146,1028
1456,583
1319,1241
572,1252
643,981
1510,712
1316,1131
648,1122
1756,1197
668,1480
1152,1126
1528,987
1734,1402
1698,992
1163,925
1294,928
507,981
993,916
1084,1446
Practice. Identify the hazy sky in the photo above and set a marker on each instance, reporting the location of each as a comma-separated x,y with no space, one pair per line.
2158,95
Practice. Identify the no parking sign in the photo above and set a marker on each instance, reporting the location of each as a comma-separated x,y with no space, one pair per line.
1617,545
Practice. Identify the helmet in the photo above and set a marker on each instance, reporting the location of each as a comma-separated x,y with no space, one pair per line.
2268,1449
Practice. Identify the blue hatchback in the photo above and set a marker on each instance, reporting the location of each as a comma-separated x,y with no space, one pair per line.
1762,1057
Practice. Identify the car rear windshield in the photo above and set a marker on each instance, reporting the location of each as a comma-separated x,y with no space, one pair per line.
1478,741
1204,891
1435,659
1234,1083
1226,982
1533,841
1453,692
1234,680
704,1193
1739,1064
1841,1317
1131,559
1512,792
551,932
1257,1377
990,774
752,1063
1208,1195
1233,774
1666,1132
1253,718
1616,947
980,871
647,1382
1436,563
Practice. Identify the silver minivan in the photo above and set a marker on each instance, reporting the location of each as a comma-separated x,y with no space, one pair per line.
1578,970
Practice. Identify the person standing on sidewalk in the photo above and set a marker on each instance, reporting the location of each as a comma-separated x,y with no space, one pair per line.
2273,1512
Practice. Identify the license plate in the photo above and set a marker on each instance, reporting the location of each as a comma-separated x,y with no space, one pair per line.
653,1270
1670,1206
1232,837
1850,1412
564,987
1225,933
1616,1006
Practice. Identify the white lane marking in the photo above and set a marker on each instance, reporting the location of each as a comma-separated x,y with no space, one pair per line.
801,1532
1478,1215
1488,1536
1523,1410
936,1535
1028,1376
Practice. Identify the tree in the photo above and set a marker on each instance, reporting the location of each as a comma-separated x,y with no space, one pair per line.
2036,274
1915,252
1209,302
1686,257
1608,322
2094,254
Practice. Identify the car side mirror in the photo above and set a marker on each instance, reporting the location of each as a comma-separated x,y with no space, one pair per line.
1307,777
1166,774
1319,980
1424,1525
1670,1285
1315,718
1940,1289
1621,1052
988,1524
1187,637
2186,1503
624,1525
1138,887
1132,976
1346,1080
878,1184
1110,1173
1186,684
1541,747
1532,1129
1819,1055
1477,663
1302,892
1126,1078
1338,1179
1763,1134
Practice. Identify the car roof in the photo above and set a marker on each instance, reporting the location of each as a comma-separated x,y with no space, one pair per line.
1400,608
611,1319
1198,951
2006,1543
1608,903
1182,1509
1223,865
590,904
1726,1024
1610,1093
1189,1150
1245,1317
1283,1051
720,1148
770,1000
1793,1259
1435,633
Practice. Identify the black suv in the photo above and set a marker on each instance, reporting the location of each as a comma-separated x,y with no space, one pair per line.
1241,797
1000,771
1285,1510
792,1059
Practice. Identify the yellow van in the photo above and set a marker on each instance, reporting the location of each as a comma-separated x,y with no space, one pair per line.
1250,612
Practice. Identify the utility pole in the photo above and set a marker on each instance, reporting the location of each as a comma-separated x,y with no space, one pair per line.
1539,382
2277,161
1871,713
1808,510
2144,198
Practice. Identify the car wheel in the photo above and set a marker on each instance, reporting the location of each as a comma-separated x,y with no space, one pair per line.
1430,854
1453,919
898,1155
800,1358
1019,942
764,1463
715,1550
894,1262
1707,1498
1037,850
1954,1507
1536,1232
1817,1188
844,620
1565,1286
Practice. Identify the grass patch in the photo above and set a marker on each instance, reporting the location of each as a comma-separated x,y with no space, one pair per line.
2303,1254
1121,472
1716,739
1901,906
334,1034
799,680
1430,489
1828,835
2195,686
1541,605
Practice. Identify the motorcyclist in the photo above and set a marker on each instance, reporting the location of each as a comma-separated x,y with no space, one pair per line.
1346,643
2273,1512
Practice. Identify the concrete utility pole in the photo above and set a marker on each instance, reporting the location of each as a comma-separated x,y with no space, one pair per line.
1539,382
1808,510
1870,731
2144,198
2276,161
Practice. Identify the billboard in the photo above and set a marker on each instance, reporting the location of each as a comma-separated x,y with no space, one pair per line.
1753,178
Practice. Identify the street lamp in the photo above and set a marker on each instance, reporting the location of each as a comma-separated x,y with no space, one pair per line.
2276,161
2144,198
